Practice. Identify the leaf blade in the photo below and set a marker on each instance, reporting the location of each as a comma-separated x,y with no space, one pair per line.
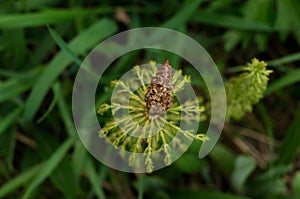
49,166
80,44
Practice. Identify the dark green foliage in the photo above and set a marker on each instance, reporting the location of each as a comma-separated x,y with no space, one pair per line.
43,42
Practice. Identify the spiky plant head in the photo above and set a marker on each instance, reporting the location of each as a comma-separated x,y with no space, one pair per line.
155,114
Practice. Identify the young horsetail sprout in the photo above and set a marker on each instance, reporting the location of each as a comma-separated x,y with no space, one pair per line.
246,89
151,117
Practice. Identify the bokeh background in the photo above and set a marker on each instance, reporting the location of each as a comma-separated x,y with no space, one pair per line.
43,42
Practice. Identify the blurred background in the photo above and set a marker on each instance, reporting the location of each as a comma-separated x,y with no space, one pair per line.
43,42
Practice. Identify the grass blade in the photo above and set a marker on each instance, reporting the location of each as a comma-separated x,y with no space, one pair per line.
49,166
269,127
290,146
48,111
288,79
183,14
63,45
39,19
297,185
12,88
57,16
9,119
20,180
64,111
20,83
92,175
230,22
79,158
284,60
80,44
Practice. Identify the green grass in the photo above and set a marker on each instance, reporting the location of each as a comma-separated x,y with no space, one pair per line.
43,44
